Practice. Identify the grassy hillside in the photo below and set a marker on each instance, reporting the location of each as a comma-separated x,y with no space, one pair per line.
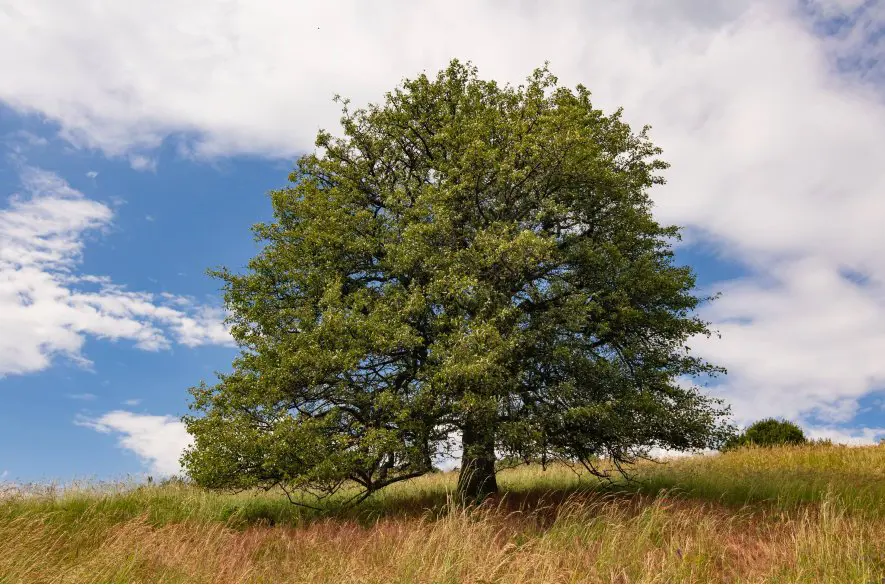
807,514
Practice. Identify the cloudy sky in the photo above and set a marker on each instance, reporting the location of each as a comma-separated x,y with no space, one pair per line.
138,140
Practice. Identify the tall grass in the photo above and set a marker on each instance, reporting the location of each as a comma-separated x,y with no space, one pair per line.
783,477
813,514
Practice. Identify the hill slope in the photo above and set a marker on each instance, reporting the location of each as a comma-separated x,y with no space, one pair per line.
809,514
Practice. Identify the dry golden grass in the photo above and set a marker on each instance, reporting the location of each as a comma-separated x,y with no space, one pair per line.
551,527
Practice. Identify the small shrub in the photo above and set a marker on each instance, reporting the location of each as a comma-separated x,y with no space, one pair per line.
769,432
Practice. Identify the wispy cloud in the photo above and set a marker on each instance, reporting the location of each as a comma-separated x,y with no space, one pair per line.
84,396
45,307
20,141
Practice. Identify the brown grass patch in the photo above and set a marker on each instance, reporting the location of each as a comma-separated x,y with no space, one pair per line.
583,538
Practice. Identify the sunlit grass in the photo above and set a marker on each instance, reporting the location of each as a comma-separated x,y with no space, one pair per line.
784,477
806,514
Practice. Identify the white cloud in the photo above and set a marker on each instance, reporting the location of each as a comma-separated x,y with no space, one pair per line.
862,436
776,153
203,327
92,174
157,440
140,162
132,402
46,309
806,340
245,76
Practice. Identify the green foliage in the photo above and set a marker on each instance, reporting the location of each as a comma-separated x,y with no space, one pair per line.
769,432
467,259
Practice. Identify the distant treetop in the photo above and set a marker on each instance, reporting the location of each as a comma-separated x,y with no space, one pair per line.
768,432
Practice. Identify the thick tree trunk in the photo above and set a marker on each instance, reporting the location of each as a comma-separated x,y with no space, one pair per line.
477,477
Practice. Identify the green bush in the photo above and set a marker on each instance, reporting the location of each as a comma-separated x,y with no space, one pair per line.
768,432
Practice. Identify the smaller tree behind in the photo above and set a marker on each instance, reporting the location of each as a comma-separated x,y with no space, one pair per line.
769,432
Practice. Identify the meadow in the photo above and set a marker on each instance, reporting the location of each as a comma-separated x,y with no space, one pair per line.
794,514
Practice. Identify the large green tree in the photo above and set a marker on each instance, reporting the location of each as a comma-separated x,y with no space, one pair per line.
468,260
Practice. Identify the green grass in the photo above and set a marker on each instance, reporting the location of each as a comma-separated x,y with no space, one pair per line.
785,477
813,514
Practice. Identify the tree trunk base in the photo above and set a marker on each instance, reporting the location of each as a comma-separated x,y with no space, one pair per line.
477,480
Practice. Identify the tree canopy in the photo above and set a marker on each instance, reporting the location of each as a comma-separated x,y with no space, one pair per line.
467,260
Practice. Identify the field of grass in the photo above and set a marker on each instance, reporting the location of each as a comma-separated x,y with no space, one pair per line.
807,514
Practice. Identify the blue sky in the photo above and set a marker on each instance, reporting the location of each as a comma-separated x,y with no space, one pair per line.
137,145
154,244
